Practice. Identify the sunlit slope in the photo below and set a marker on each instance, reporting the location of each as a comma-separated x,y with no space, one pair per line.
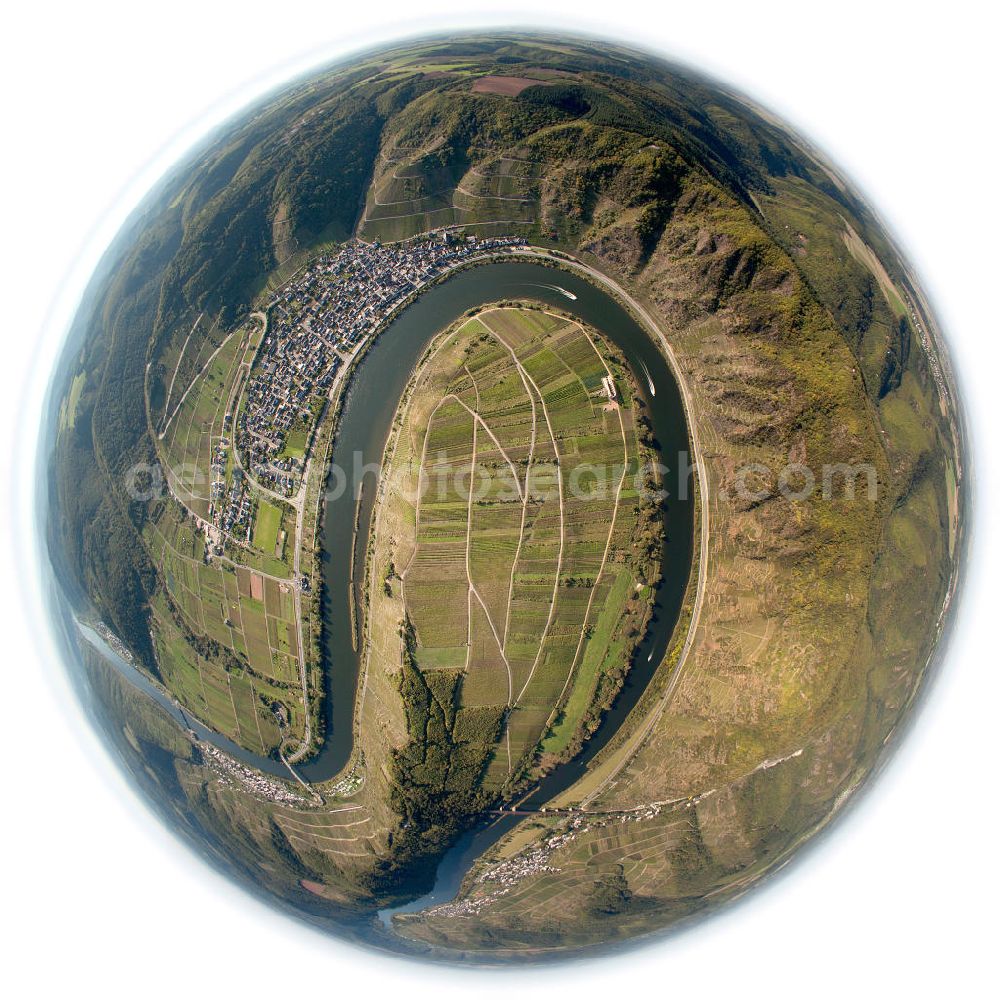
801,339
510,515
808,640
590,154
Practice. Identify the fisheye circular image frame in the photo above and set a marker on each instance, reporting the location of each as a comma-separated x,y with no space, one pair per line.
503,493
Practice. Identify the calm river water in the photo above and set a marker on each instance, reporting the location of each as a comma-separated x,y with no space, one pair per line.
366,418
365,422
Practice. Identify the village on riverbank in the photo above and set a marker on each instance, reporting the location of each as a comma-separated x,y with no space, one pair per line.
315,322
240,552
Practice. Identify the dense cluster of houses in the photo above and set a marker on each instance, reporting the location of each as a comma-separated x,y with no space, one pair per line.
233,511
315,322
230,507
234,773
538,860
114,642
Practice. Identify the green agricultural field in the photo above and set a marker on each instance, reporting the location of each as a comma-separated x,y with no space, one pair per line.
515,566
194,423
295,443
267,526
67,412
226,636
604,650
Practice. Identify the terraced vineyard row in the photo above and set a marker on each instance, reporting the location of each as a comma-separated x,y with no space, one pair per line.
516,461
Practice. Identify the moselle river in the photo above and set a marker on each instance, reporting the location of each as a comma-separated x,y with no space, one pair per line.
372,396
366,420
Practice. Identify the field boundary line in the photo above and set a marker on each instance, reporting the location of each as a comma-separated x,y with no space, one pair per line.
180,358
653,328
562,511
524,506
611,530
468,562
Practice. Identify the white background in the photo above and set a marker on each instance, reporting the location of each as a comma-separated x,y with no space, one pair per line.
98,99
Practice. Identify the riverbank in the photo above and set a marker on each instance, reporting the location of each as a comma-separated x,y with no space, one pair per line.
392,358
529,278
